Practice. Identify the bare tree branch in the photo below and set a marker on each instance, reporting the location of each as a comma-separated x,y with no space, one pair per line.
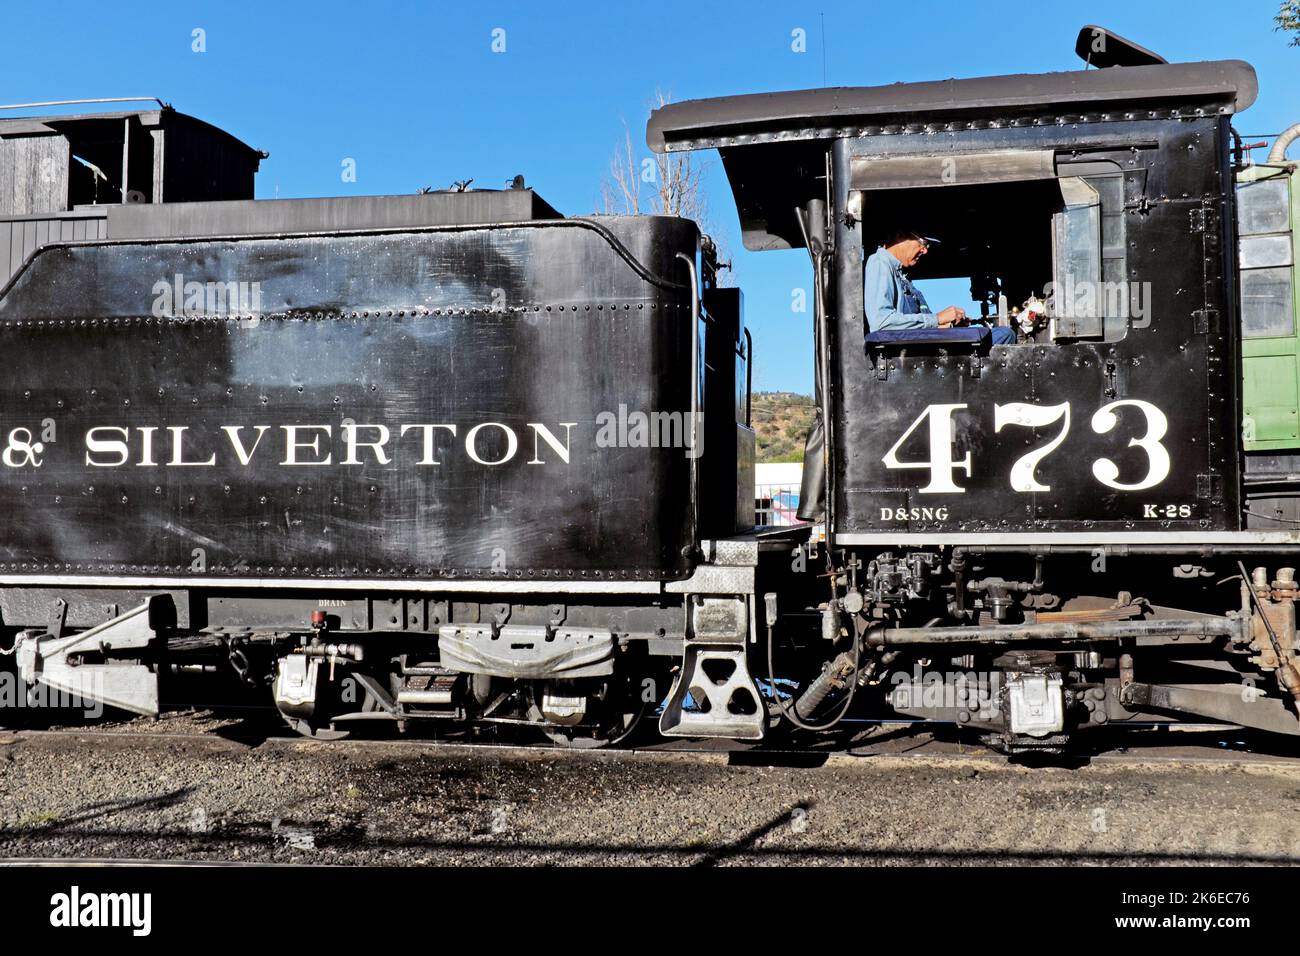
675,180
621,189
675,184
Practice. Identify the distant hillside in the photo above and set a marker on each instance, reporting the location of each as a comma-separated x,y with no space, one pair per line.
781,420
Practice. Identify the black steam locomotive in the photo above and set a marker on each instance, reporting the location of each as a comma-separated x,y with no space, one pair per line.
455,457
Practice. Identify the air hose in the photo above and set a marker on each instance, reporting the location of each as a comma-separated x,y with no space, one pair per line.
843,667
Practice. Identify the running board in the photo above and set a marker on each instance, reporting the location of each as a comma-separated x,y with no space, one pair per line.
52,660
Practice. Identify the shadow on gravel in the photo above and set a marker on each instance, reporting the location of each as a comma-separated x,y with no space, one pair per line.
355,839
1219,742
746,843
1157,741
96,811
776,758
252,729
787,740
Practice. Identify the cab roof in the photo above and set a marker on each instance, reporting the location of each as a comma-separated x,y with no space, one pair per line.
1230,86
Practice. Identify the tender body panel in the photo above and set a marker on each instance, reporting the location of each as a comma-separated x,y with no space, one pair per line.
410,404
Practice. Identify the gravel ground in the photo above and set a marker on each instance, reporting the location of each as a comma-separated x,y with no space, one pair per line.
134,793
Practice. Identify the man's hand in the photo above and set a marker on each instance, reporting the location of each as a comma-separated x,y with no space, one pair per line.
951,316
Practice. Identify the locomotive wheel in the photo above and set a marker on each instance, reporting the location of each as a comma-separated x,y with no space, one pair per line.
306,729
617,711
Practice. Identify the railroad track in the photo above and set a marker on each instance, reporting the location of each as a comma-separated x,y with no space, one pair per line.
94,862
1189,744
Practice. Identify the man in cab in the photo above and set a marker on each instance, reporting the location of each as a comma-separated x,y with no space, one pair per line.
892,303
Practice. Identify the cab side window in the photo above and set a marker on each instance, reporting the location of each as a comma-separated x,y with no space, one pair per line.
1264,222
1090,297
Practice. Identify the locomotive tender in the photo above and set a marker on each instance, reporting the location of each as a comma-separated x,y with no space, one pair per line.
455,457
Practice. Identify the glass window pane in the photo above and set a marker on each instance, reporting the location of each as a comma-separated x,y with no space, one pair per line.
1110,189
1260,251
1077,302
1267,308
1262,207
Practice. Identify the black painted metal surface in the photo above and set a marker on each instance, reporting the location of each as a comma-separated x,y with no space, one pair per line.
1180,364
727,121
947,440
233,441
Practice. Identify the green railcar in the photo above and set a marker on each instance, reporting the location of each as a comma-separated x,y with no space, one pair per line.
1268,210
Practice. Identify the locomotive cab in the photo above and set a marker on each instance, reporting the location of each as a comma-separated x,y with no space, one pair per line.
1034,516
1090,212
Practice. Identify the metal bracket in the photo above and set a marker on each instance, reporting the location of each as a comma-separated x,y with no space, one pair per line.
58,618
718,620
1228,704
52,660
1036,704
724,703
526,651
378,693
714,694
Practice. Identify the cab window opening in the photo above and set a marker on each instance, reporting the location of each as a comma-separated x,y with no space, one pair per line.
1043,258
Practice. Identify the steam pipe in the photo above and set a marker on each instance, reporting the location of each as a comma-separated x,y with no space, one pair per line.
696,437
1063,632
1278,152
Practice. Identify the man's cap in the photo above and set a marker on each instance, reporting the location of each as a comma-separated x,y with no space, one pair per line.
904,232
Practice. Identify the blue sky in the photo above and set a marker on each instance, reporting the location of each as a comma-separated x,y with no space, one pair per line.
414,93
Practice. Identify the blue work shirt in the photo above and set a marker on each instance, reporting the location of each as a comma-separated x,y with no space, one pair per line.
889,298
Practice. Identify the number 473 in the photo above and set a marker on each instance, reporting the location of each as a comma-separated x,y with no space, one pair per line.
942,467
